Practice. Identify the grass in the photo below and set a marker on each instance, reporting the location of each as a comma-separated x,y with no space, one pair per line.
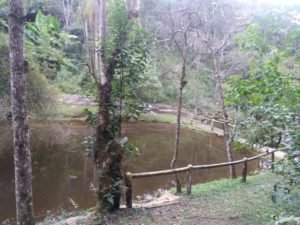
249,203
171,118
65,112
223,202
69,111
166,118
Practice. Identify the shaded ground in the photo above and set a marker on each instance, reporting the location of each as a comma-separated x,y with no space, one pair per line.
223,202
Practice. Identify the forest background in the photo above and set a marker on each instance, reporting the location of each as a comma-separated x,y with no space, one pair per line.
242,57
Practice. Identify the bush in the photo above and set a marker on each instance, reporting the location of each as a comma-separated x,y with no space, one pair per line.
41,95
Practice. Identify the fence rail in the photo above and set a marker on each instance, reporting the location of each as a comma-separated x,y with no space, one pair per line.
130,176
211,121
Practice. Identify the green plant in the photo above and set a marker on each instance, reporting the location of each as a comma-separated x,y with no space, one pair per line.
268,98
41,94
45,43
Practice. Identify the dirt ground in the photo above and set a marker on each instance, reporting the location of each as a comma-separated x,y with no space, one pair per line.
183,212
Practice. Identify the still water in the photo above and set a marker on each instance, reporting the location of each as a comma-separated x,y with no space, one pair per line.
63,177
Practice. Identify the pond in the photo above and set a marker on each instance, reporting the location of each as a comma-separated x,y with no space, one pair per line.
63,177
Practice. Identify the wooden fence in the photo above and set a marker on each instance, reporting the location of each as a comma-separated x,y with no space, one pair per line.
130,176
212,122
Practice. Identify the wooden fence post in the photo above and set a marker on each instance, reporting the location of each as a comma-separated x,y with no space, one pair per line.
128,193
212,124
273,161
244,173
189,180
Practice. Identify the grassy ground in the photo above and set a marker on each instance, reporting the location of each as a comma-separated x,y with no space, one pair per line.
166,118
185,122
220,202
224,202
65,112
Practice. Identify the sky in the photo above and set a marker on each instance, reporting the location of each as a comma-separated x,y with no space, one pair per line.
282,2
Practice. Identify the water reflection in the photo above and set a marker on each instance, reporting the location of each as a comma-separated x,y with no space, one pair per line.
63,176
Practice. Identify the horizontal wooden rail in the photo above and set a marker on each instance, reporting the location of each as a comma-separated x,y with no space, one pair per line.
199,118
189,168
186,168
212,121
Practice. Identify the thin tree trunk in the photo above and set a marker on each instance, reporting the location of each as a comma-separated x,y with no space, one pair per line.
177,138
183,52
22,156
227,136
121,100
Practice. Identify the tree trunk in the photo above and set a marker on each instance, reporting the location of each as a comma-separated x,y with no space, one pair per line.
227,136
108,153
177,138
22,156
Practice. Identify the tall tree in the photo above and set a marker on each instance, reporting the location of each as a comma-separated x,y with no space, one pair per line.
217,62
206,40
108,154
103,61
217,34
179,36
22,156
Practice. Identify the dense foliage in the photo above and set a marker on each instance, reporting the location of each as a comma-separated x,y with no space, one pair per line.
268,98
41,95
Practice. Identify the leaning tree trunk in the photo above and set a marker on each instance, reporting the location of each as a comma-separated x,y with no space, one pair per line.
22,157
